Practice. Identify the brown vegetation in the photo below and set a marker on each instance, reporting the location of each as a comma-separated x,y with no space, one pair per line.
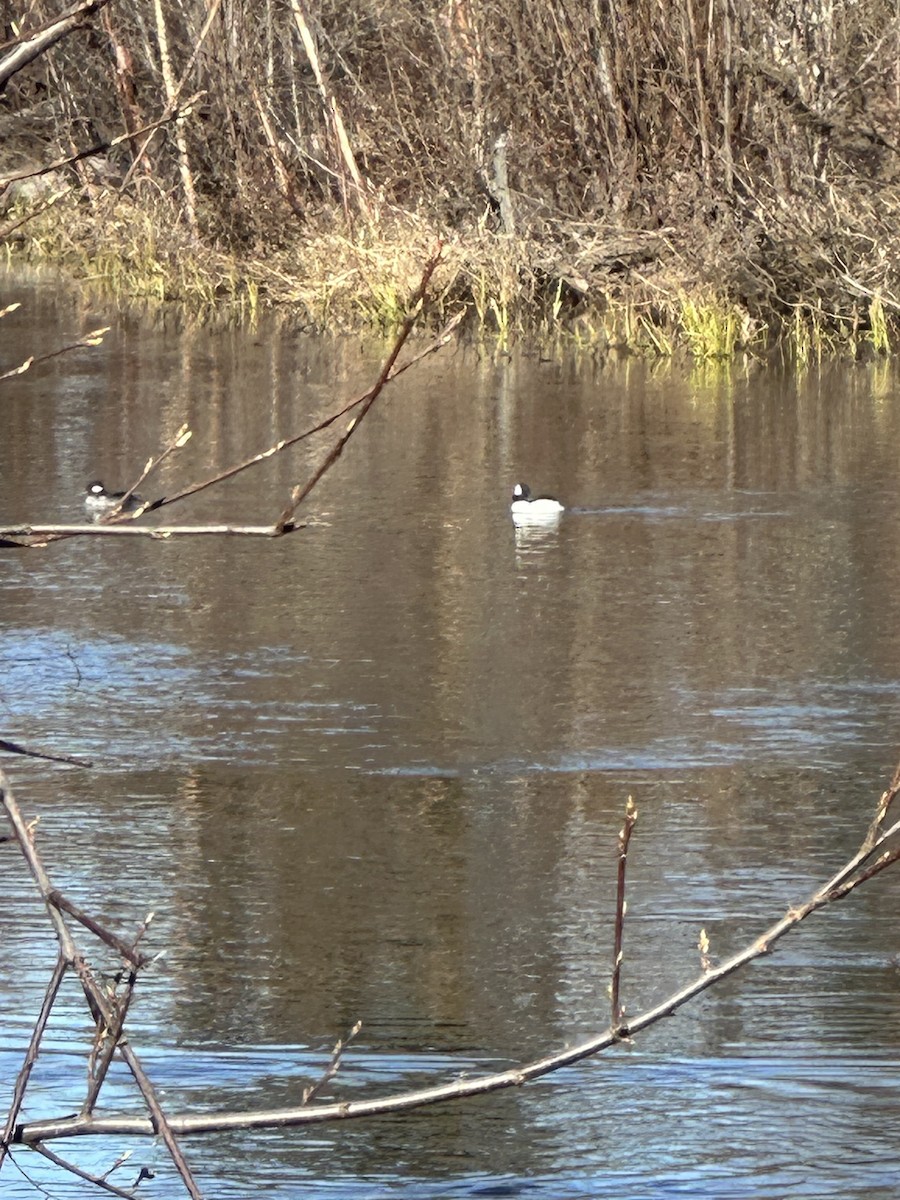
624,172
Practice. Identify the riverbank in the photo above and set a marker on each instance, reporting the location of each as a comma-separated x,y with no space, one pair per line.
704,186
512,286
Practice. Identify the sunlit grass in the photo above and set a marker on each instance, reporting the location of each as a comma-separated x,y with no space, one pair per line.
878,335
813,335
711,328
338,278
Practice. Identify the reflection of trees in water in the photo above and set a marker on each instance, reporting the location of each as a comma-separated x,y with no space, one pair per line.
109,996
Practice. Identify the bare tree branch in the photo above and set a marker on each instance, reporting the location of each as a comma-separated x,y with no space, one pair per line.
97,1180
436,344
27,51
859,869
58,900
16,748
183,110
95,338
181,438
29,536
94,994
22,537
332,1069
616,1010
31,1054
284,524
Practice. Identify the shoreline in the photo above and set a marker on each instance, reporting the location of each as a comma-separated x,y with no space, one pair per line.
723,182
512,287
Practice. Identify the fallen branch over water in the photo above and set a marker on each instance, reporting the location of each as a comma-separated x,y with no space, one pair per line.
872,857
27,535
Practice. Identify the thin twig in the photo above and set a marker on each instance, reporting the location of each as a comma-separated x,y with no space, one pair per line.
183,110
35,212
31,1054
113,1034
441,340
142,929
16,748
97,1001
332,1069
284,524
845,888
97,1180
884,807
616,1010
95,338
181,438
58,900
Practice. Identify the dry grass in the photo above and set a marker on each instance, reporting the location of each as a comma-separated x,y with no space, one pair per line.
559,289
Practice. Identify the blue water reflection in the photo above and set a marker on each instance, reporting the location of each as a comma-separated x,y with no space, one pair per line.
376,770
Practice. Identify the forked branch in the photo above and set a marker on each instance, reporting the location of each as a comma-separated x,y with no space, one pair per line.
285,524
104,1012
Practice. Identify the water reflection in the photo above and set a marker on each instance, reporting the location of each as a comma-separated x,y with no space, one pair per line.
375,770
533,541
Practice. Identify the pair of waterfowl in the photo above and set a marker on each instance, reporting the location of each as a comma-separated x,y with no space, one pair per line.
527,509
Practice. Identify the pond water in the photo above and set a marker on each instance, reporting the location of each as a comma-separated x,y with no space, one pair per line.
375,770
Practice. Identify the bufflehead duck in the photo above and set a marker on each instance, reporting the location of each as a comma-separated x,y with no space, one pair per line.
98,501
526,507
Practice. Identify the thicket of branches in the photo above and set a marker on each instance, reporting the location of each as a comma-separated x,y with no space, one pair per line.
745,148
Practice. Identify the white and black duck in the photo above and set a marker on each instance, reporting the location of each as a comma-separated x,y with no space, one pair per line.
98,501
527,509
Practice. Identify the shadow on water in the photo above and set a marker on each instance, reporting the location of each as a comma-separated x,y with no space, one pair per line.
375,770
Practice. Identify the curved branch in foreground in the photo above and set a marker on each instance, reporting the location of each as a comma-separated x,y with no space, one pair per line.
95,338
863,866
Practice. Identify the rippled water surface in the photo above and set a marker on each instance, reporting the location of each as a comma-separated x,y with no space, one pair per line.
375,770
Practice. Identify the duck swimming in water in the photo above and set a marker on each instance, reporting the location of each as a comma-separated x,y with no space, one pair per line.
98,501
527,508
